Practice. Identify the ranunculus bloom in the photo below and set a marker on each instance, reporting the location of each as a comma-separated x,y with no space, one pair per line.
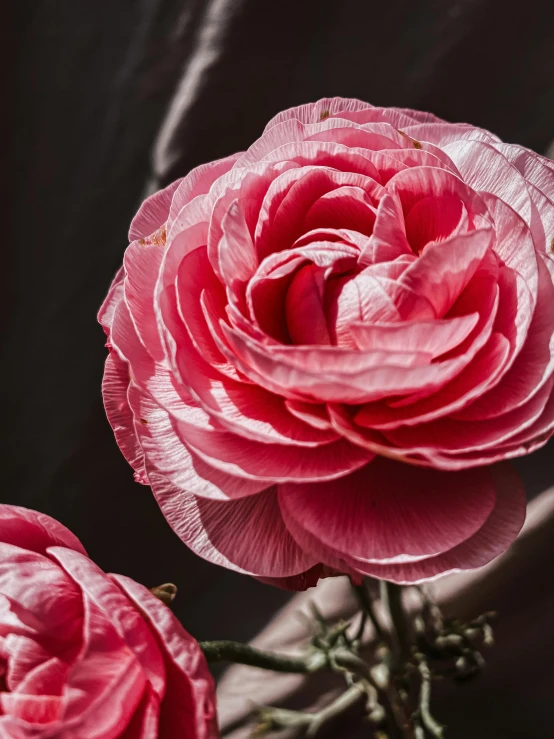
320,347
87,655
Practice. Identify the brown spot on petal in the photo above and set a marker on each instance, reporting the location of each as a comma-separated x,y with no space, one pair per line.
158,238
416,144
144,421
325,114
552,246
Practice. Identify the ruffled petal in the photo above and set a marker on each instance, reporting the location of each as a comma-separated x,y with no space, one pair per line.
390,512
34,531
496,535
188,709
153,212
246,535
115,385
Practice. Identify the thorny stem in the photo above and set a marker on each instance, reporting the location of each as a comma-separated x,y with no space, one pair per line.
244,654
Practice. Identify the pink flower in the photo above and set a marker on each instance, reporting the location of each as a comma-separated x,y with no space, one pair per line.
86,654
323,349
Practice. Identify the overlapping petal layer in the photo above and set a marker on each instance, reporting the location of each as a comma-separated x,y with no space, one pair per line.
318,345
87,654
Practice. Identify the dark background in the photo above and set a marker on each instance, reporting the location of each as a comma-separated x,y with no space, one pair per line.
103,101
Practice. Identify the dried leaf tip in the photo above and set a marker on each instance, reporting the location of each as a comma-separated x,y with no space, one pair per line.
166,592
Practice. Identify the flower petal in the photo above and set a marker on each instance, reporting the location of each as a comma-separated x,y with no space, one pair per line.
188,708
388,511
34,531
246,535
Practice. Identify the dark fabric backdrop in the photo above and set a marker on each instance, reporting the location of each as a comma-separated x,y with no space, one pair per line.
106,100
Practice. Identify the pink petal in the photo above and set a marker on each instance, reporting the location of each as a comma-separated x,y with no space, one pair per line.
198,182
443,133
420,116
470,383
434,219
249,186
34,531
142,265
105,688
195,275
246,535
495,536
391,161
388,240
290,197
32,710
395,116
237,456
533,365
333,374
38,599
371,137
153,212
437,439
466,379
536,169
266,296
166,453
314,414
111,301
324,154
432,337
305,314
529,440
322,109
110,611
145,721
513,241
188,708
542,222
346,207
47,679
444,269
236,255
416,183
388,511
486,169
247,409
114,392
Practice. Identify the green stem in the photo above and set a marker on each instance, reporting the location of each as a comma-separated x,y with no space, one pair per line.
282,718
230,651
427,719
391,595
367,607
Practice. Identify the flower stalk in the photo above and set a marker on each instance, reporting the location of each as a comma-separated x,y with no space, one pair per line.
396,680
244,654
391,596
